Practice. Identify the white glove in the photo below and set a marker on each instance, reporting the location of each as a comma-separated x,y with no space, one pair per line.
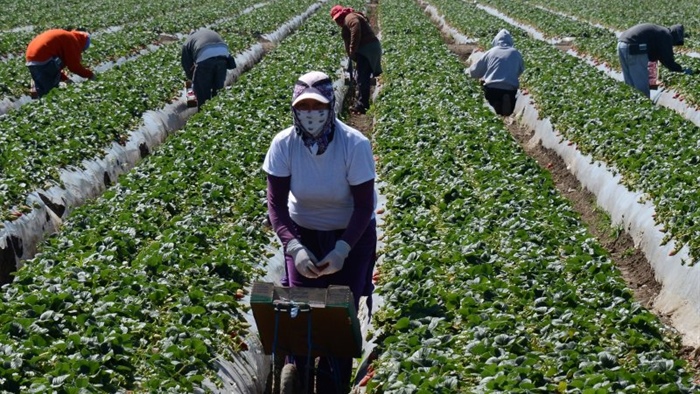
304,260
333,262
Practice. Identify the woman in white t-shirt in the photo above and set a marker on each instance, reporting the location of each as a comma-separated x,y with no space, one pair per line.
321,201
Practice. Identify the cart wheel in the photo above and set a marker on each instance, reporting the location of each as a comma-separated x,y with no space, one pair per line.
288,379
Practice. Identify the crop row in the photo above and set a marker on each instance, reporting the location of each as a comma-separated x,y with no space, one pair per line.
490,280
37,15
138,289
620,15
128,40
81,122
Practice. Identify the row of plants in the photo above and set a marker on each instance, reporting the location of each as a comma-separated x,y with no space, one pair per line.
128,40
75,124
653,148
620,15
36,15
491,283
599,43
139,289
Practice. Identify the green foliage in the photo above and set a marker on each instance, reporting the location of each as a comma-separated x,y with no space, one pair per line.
491,282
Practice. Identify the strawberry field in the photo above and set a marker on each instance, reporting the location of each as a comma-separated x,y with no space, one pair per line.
132,227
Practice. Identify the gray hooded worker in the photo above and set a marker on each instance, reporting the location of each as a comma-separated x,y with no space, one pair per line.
647,42
500,68
205,59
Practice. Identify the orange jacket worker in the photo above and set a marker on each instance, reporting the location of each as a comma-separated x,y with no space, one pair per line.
51,51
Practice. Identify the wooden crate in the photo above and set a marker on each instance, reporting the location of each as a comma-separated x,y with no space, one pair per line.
328,312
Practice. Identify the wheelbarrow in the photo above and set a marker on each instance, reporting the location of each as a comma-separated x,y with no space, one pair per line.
304,322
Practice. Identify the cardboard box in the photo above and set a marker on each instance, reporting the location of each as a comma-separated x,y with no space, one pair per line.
653,68
287,313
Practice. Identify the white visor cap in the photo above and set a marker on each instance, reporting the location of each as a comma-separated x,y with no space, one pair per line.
309,92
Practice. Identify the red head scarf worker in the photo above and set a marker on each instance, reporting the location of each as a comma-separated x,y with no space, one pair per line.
362,47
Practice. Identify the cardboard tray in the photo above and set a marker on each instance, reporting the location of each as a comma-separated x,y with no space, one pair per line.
330,312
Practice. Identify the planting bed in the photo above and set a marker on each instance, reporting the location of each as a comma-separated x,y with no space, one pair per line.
490,279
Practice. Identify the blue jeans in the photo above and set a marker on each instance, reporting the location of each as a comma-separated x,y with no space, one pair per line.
635,68
46,76
209,77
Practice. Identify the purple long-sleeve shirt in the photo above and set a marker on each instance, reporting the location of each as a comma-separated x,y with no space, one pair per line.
278,195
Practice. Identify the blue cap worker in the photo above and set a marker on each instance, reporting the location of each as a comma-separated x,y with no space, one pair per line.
646,42
500,68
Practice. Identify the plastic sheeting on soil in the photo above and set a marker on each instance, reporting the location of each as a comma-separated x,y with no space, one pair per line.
239,372
448,30
679,298
680,295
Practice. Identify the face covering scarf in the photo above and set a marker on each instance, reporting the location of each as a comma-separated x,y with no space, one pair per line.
313,121
317,142
315,133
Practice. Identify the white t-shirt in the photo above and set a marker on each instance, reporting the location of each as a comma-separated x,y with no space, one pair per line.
320,197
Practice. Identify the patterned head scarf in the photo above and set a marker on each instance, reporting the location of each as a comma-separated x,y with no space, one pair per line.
315,86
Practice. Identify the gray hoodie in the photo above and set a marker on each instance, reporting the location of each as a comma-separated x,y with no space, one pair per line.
501,66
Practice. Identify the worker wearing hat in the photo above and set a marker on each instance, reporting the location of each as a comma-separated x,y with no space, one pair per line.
49,52
321,201
362,46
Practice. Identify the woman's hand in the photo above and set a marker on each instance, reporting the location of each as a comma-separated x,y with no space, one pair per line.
304,260
333,262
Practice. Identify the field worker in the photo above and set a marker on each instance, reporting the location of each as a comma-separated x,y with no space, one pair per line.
51,51
205,59
321,201
500,69
362,47
647,42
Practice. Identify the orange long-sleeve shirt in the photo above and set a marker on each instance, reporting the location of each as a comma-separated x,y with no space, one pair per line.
64,44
